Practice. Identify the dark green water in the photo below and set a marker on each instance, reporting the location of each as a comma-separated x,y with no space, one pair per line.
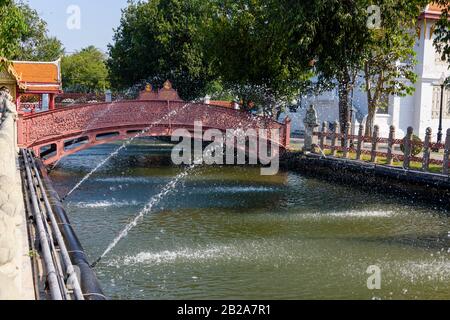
229,233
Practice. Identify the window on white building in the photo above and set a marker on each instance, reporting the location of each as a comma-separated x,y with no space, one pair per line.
435,110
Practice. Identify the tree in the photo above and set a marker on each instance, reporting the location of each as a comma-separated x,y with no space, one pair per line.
85,71
442,31
340,39
390,59
35,44
12,27
247,42
157,41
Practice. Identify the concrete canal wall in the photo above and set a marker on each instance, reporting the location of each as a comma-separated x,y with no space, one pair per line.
409,184
15,266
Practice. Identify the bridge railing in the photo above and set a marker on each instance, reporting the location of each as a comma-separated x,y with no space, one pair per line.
409,153
38,128
122,119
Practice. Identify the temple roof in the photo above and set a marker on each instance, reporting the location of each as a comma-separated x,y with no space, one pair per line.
432,11
38,76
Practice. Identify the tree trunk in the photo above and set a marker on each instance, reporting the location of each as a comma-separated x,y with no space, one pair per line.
370,120
344,108
273,107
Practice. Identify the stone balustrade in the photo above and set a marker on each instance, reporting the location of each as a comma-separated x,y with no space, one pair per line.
410,152
12,227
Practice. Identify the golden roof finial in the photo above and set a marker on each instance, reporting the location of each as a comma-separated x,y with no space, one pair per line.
167,85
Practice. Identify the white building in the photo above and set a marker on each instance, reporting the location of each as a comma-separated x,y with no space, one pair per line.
420,110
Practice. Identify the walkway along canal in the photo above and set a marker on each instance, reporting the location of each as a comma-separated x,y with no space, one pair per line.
15,267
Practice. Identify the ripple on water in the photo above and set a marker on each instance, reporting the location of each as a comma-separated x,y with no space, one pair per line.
437,269
104,204
137,180
236,189
347,214
244,252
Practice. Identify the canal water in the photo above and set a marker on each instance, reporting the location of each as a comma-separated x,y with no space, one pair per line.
230,233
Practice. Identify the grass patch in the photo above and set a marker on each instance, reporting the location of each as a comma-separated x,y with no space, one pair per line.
414,165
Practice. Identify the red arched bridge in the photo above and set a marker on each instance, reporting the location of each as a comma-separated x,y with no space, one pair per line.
57,133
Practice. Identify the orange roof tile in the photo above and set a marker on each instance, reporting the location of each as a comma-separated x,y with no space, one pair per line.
434,8
432,11
38,76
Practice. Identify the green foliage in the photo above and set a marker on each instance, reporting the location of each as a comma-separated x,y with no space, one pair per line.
442,31
12,27
342,45
392,43
160,40
85,71
35,44
417,146
248,43
264,52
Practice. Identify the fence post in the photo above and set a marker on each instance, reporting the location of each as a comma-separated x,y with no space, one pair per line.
334,138
407,143
391,139
360,142
426,150
348,133
446,153
376,133
323,136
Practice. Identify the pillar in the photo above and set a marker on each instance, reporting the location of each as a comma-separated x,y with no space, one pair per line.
51,101
18,107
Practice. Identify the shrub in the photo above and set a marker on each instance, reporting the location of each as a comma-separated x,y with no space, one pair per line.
417,148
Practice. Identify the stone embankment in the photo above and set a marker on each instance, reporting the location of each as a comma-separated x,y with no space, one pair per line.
15,267
409,184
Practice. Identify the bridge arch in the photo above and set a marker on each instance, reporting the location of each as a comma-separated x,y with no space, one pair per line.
100,123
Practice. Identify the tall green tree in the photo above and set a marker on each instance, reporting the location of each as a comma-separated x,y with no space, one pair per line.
85,71
442,31
340,39
12,28
35,44
389,64
157,41
248,45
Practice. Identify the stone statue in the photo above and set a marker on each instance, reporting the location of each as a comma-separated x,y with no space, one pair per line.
5,93
6,105
310,122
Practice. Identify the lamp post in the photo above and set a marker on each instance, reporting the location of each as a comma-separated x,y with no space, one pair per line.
441,83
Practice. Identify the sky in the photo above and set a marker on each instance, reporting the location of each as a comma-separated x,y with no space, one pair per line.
80,23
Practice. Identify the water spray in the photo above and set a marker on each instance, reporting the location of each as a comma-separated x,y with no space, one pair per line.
123,146
155,200
321,151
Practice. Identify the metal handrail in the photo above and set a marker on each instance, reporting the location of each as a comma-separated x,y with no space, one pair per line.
70,270
52,279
